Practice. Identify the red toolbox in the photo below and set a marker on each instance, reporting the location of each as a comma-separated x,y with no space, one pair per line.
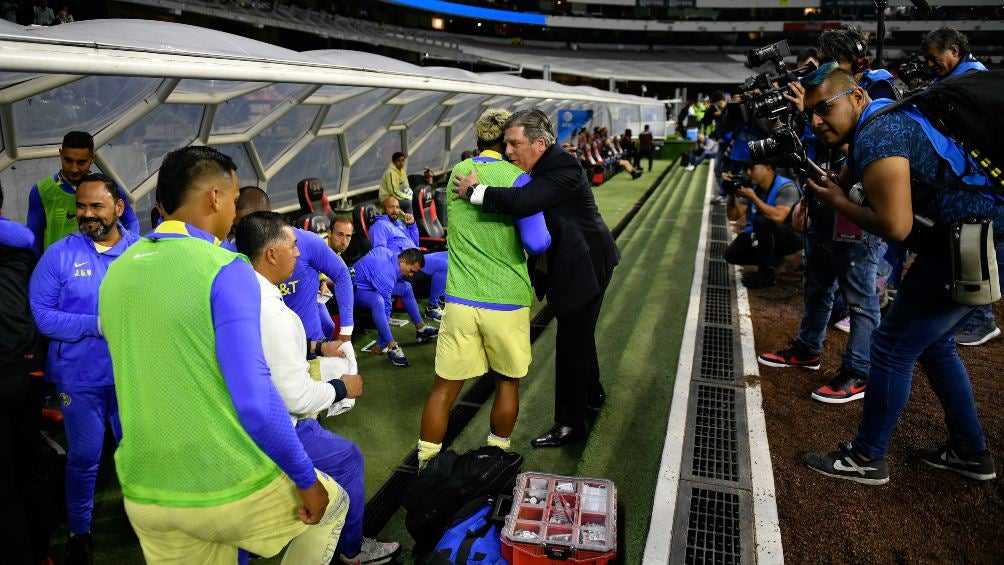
556,519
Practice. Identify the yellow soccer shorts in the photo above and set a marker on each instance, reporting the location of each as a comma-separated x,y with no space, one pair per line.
472,340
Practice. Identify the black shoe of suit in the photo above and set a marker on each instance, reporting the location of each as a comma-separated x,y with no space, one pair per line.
559,435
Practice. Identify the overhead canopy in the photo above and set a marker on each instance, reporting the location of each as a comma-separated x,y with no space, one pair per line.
144,88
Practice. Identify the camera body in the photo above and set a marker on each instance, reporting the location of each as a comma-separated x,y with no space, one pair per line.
782,148
914,68
730,186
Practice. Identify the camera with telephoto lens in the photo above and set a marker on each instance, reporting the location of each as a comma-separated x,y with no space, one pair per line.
730,186
782,148
770,103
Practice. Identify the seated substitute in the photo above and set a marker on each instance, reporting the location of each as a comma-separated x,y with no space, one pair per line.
488,297
198,390
271,246
299,292
378,273
64,300
398,232
908,169
768,236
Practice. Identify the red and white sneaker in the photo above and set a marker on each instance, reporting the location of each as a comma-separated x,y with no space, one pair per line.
845,387
794,356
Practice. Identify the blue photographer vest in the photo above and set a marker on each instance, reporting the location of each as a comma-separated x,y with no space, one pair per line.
771,199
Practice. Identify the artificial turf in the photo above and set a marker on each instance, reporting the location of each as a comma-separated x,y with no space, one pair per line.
638,339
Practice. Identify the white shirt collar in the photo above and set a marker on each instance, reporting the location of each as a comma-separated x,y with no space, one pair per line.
267,288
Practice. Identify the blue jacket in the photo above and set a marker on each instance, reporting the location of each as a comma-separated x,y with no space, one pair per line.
299,292
64,300
396,235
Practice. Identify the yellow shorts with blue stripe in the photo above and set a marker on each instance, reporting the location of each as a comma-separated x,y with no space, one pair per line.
472,340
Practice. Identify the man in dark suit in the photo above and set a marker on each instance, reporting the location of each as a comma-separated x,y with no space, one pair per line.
574,272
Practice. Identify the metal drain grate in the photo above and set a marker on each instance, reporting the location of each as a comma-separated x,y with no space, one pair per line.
716,250
717,306
719,233
717,358
713,533
715,453
718,274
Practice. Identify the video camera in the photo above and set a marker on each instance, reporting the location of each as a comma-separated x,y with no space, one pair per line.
772,84
731,185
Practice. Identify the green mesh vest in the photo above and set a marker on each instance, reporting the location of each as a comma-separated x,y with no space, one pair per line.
57,204
182,443
487,262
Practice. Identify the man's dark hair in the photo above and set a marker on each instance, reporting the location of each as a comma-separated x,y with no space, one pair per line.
717,96
806,54
78,140
253,198
826,72
846,44
110,185
944,37
412,256
535,124
181,168
257,231
397,155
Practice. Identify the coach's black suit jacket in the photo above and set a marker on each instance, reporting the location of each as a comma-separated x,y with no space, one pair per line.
582,254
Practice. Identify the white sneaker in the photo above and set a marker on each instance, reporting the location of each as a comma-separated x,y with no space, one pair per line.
690,168
373,552
844,325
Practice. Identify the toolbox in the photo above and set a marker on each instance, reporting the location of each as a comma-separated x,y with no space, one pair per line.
557,519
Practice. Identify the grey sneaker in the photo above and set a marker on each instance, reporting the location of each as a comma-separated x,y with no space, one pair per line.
978,466
844,464
373,552
977,332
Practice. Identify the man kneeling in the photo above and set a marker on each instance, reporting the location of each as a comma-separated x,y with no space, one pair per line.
270,244
768,236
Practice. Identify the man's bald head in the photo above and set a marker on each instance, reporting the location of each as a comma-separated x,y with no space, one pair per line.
387,202
253,199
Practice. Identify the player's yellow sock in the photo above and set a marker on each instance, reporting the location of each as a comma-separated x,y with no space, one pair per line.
426,451
501,442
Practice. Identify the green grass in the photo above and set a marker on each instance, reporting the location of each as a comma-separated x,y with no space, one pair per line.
638,338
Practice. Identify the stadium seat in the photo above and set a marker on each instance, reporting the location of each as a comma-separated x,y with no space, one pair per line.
431,234
363,217
313,200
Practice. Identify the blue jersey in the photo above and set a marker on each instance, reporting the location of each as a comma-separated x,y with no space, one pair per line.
299,292
378,271
394,235
64,300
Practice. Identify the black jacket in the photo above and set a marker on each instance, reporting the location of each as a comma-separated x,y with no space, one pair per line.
582,254
22,349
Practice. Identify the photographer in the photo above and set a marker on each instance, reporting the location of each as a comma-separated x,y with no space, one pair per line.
768,236
946,51
924,317
839,256
848,47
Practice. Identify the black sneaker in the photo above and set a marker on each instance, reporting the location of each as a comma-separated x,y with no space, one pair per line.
845,387
795,356
79,550
845,464
978,466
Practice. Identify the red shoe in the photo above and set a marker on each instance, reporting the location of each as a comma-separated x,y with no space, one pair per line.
794,356
845,387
